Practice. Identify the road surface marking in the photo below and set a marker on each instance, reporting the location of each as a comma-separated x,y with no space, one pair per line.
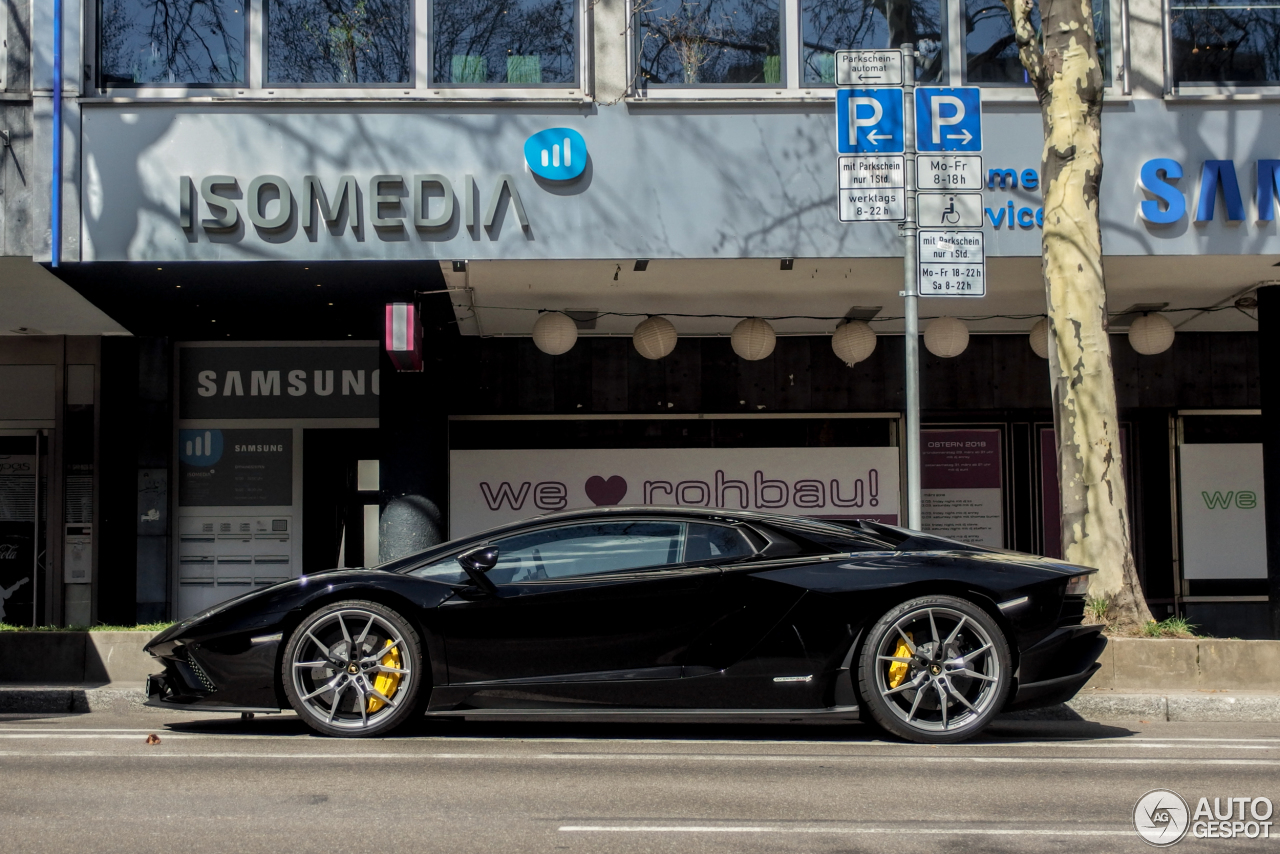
898,830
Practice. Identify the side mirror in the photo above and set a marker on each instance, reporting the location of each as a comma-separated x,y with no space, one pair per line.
476,562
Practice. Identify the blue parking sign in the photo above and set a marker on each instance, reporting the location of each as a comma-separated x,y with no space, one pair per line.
869,121
948,119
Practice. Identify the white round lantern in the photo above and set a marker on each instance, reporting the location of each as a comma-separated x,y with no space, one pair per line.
753,339
1151,334
1039,338
853,341
555,333
654,337
946,337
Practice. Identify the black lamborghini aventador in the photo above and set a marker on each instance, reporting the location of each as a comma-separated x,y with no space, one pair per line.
651,613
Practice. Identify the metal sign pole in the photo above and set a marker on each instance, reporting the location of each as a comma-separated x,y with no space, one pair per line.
911,290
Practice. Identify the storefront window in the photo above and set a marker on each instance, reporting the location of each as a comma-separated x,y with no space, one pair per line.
831,25
991,51
504,42
708,42
171,42
339,42
1225,41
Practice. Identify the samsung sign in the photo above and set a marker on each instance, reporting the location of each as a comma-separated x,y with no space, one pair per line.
390,203
1159,177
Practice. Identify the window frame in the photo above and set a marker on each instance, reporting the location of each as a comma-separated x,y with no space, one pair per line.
794,88
92,26
581,45
419,89
265,53
1203,91
611,573
788,23
1117,28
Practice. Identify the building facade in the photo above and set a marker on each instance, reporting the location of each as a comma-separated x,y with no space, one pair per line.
246,189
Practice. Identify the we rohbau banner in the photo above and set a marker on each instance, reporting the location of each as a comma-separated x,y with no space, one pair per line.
1223,518
489,488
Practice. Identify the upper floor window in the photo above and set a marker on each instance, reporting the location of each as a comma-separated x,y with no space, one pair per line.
708,42
327,44
1217,42
504,42
831,25
172,42
991,49
339,42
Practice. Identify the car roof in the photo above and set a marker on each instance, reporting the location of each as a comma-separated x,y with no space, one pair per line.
668,510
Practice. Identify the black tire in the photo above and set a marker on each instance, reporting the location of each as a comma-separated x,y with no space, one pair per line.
927,692
334,661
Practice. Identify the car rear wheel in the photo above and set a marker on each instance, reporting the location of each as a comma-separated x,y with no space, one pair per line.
935,670
353,669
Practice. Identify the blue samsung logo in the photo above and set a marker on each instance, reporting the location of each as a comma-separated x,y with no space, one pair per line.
557,154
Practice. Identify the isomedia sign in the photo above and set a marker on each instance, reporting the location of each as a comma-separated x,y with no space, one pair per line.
426,202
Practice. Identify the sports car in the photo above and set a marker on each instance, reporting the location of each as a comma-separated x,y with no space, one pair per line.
651,613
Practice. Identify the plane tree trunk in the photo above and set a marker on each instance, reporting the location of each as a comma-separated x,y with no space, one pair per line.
1062,62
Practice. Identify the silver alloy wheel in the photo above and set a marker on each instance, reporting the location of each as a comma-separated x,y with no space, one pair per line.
952,677
335,667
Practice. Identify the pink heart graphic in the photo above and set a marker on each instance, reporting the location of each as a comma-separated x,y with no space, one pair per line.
606,492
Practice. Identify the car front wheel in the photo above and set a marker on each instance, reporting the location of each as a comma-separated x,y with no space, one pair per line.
353,669
935,670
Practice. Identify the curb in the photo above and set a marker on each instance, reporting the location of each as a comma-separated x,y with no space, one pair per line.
1257,708
71,699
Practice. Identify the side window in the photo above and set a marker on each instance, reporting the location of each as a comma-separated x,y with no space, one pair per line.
446,570
715,543
587,549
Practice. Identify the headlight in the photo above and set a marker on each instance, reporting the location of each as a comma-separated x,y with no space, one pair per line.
1078,585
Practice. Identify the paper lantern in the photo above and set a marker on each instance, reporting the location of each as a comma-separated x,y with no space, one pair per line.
1151,334
946,337
555,333
753,339
1039,338
654,337
853,341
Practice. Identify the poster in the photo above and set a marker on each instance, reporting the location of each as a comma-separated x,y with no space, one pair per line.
235,468
17,530
961,486
489,488
1223,515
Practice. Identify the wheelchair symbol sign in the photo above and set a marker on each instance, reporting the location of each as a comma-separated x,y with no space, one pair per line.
948,119
949,210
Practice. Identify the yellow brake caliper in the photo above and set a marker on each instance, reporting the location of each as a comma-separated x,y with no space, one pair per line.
386,683
898,669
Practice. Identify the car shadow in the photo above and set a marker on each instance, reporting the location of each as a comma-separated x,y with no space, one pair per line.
1001,732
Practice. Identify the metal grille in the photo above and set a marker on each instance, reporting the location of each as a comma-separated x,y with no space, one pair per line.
79,499
199,672
17,498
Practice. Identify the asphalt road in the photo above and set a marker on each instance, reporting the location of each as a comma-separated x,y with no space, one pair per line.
91,783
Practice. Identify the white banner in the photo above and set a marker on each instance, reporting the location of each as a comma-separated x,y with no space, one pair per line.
488,488
1223,521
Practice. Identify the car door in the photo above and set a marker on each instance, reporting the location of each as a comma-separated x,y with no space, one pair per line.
601,600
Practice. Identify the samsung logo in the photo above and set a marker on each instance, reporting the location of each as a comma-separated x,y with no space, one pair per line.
265,449
298,383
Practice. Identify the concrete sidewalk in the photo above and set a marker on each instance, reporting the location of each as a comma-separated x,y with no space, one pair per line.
1089,705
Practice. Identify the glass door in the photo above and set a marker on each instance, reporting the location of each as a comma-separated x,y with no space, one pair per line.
22,524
